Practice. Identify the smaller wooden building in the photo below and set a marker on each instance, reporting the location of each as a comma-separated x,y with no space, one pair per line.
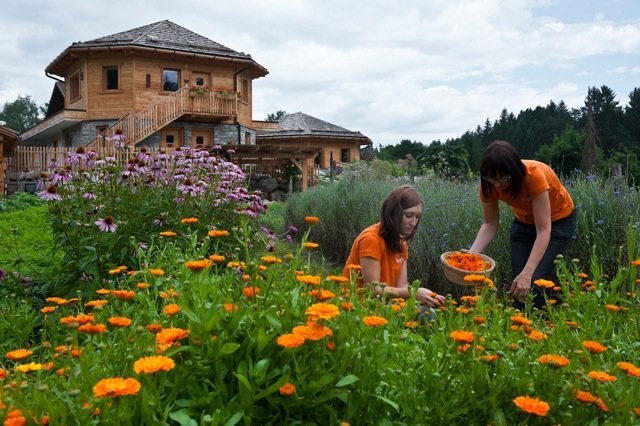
8,143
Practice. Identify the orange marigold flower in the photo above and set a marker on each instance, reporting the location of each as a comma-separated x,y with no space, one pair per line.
520,320
322,294
544,283
468,261
154,328
168,234
554,360
188,220
169,293
537,335
331,346
287,389
216,259
636,411
57,300
311,246
479,320
589,398
230,307
156,272
347,306
612,308
313,331
119,321
116,386
309,279
532,405
32,366
250,291
629,368
48,309
198,265
462,310
271,259
143,286
470,300
96,303
602,376
474,278
15,418
123,294
311,220
19,354
169,336
411,324
374,321
353,267
581,275
172,309
93,328
462,336
572,324
489,358
215,233
594,347
290,340
337,279
153,364
77,320
325,311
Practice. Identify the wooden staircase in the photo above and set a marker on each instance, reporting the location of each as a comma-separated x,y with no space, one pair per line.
137,126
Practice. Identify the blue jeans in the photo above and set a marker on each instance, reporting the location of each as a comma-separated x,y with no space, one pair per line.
523,235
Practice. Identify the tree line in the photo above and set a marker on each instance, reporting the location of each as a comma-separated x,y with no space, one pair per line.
601,137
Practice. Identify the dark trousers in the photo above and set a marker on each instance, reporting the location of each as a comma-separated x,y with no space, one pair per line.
522,238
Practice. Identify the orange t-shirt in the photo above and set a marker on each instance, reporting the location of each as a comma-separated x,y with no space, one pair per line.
538,178
371,244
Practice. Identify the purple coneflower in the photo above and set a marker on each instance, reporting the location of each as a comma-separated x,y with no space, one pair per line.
50,194
107,224
89,196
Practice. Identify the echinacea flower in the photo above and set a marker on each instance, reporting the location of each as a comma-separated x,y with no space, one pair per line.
287,389
19,354
153,364
115,387
374,321
50,194
107,224
532,405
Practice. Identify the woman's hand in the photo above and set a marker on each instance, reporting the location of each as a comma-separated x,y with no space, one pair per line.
429,298
520,286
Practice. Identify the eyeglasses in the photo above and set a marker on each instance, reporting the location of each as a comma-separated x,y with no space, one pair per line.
498,179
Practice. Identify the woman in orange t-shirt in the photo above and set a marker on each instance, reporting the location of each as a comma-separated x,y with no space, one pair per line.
544,222
381,250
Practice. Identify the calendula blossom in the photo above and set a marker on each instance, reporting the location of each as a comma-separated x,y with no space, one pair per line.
594,347
462,336
123,294
198,265
119,321
311,246
189,220
532,405
324,311
19,354
290,340
214,233
311,220
374,321
554,360
115,387
544,283
313,331
601,376
168,234
153,364
287,389
309,279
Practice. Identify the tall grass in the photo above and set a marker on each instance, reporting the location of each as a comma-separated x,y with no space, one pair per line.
452,216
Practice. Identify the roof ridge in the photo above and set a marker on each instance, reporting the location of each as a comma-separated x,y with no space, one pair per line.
150,30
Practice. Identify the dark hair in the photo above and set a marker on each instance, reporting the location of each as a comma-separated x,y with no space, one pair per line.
500,158
401,198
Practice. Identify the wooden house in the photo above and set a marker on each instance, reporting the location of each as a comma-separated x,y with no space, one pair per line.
163,86
8,142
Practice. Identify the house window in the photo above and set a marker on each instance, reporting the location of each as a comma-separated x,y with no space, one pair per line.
247,138
199,141
169,141
110,78
74,87
199,81
244,93
170,79
344,155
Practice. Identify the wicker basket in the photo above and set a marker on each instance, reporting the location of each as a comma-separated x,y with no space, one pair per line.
456,275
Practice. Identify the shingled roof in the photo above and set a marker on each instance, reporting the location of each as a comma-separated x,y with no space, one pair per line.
299,124
164,35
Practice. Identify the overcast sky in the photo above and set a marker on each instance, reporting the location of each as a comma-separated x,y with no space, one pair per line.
421,70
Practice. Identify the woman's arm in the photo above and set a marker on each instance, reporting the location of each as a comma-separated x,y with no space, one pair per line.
542,217
489,227
370,269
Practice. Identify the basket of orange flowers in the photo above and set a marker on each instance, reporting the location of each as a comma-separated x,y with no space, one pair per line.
459,264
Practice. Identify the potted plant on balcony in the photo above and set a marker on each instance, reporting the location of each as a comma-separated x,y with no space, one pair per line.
199,90
223,93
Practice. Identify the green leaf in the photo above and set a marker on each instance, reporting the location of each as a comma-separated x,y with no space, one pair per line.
191,315
347,380
235,418
183,418
499,419
229,348
274,321
388,401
